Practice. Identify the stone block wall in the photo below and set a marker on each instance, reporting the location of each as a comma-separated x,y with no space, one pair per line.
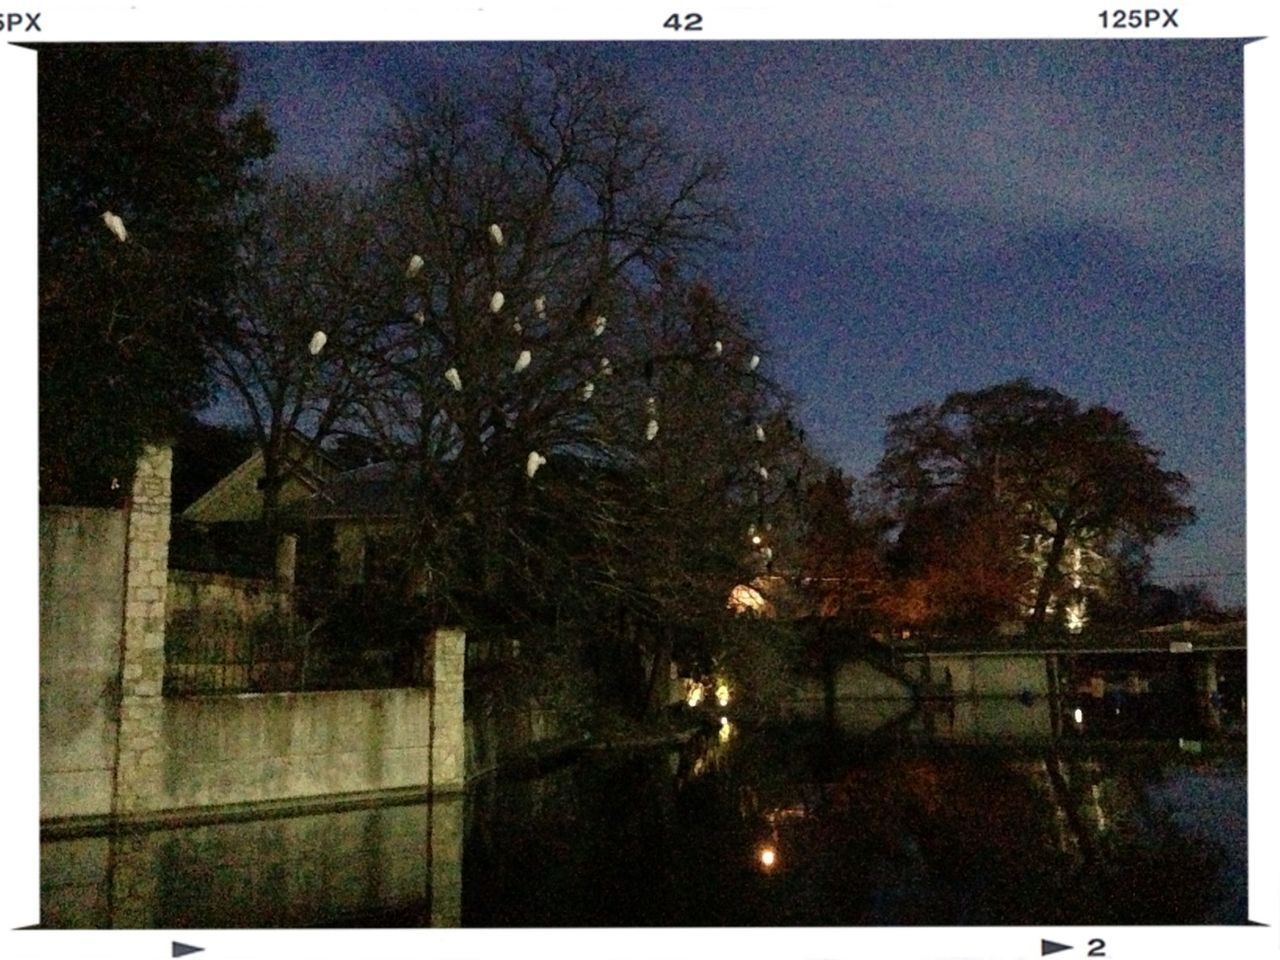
127,750
139,755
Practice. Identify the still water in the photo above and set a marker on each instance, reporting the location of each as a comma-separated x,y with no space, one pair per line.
806,823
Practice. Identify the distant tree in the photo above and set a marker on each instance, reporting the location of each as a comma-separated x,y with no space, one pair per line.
841,565
143,133
1073,483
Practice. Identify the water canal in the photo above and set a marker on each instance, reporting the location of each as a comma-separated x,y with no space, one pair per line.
962,816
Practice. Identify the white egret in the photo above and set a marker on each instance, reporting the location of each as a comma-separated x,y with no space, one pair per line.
496,301
416,263
651,430
116,226
495,234
532,464
522,361
318,340
455,380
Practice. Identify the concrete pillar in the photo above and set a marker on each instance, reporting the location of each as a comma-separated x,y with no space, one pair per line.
139,760
1207,691
286,560
447,656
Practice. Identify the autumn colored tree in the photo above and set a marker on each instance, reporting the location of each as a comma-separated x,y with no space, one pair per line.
1070,483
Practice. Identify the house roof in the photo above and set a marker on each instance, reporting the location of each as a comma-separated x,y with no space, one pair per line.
376,490
237,497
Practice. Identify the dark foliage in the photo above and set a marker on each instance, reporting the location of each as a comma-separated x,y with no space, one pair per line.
142,132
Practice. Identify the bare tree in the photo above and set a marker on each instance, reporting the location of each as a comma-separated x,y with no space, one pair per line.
298,356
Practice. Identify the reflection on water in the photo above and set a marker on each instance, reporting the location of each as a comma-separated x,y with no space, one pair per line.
389,865
925,822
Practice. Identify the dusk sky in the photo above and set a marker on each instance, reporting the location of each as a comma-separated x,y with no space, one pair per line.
925,217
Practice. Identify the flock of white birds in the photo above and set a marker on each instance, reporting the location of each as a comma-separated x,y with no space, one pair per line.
535,460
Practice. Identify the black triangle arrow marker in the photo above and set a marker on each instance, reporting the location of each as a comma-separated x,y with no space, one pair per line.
182,949
1048,946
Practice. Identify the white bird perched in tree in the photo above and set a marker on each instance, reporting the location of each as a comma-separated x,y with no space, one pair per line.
416,263
651,430
318,340
753,362
540,306
767,553
116,226
495,234
534,461
598,327
605,369
518,327
454,379
759,434
496,301
717,348
522,361
587,390
763,471
651,404
420,317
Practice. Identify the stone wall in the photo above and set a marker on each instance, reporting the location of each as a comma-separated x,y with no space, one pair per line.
139,756
992,675
104,591
81,611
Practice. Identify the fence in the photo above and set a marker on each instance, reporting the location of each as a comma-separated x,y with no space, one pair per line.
237,635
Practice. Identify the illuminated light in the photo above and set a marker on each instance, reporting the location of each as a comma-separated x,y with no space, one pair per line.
724,721
695,694
756,540
743,599
1079,715
768,857
1075,617
726,730
116,226
318,340
722,694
